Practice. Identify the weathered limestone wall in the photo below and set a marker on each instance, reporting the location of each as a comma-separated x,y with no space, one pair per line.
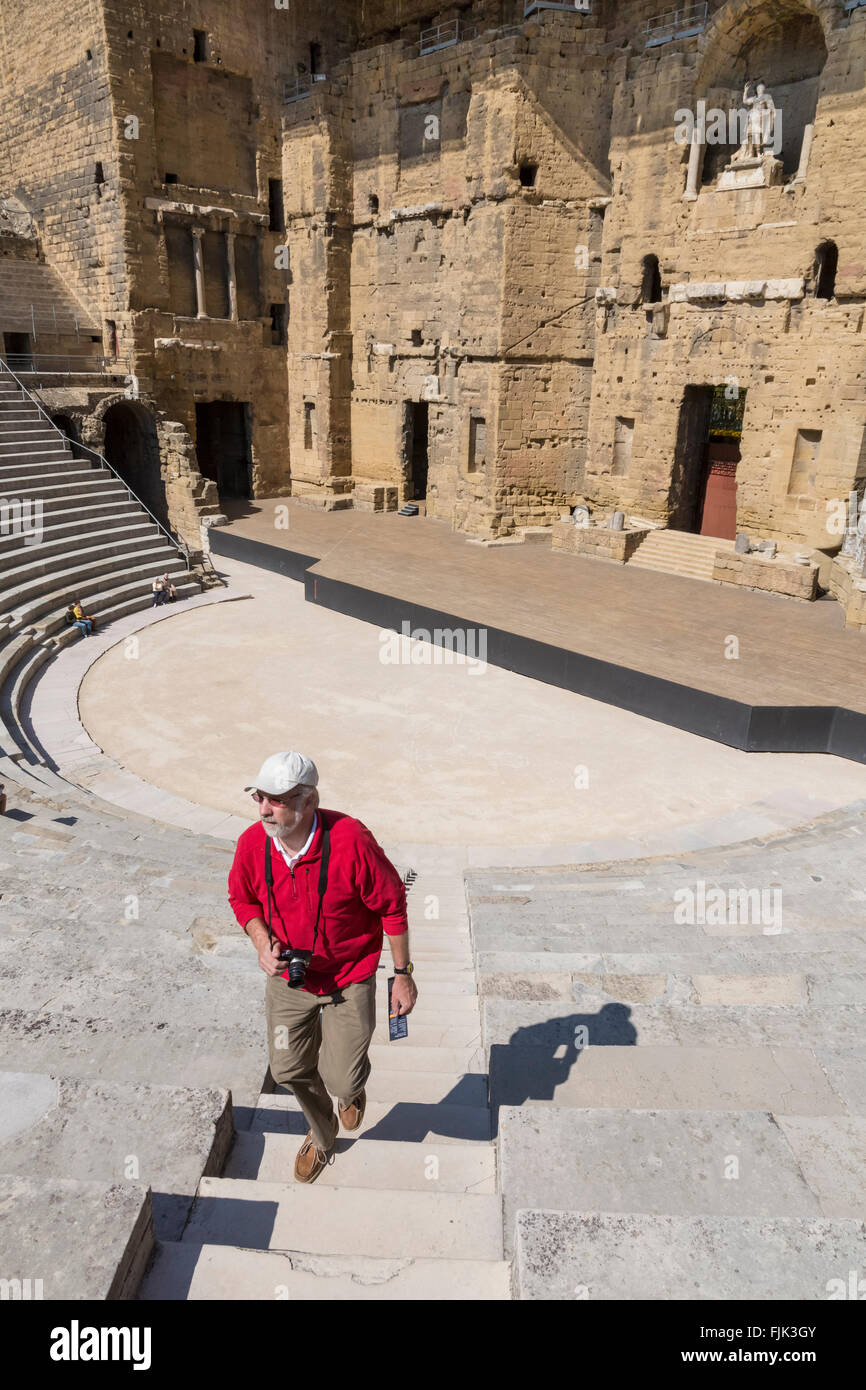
469,289
465,228
800,360
56,124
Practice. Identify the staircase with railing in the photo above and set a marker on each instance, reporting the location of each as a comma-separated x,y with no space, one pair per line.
70,528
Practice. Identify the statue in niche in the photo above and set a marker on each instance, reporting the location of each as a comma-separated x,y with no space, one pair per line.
760,136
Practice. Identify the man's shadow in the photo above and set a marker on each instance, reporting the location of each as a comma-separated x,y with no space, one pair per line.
538,1059
532,1065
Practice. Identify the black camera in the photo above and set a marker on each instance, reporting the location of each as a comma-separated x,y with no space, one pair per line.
297,962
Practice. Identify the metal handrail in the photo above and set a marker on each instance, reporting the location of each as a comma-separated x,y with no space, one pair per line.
302,86
439,36
29,362
682,23
579,6
103,461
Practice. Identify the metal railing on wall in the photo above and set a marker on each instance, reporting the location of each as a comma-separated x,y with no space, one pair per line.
65,364
294,88
683,23
444,35
578,6
101,460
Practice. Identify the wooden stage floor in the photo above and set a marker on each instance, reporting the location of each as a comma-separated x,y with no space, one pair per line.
790,653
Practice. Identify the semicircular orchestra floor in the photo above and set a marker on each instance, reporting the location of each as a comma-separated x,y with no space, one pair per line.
425,751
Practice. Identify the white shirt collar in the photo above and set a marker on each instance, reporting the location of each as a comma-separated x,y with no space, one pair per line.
292,859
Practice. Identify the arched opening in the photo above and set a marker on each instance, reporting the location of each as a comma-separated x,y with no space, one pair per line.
824,270
780,44
68,427
651,281
132,448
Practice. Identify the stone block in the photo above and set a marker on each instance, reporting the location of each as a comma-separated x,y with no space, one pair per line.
670,1258
661,1162
91,1130
84,1241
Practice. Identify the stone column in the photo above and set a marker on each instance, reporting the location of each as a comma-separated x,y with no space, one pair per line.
805,151
232,277
198,266
696,158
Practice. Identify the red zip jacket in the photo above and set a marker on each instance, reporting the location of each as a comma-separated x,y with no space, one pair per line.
365,895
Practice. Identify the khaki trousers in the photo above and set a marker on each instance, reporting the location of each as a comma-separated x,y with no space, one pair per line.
319,1043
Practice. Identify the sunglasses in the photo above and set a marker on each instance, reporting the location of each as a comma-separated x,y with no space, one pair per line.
279,800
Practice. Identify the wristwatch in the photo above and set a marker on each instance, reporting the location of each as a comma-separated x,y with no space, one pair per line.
407,969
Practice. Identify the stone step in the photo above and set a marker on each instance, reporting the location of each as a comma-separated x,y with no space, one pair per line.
681,1163
193,1272
426,1029
785,1080
384,1164
459,1009
55,1126
43,1222
408,1121
92,585
631,1257
547,1024
110,537
391,1086
400,1056
41,566
513,974
63,515
346,1220
820,932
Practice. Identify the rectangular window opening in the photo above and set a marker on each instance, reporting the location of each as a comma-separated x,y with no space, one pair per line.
477,444
309,424
278,325
276,216
199,50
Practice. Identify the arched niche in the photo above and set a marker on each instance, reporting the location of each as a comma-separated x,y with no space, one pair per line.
778,42
132,448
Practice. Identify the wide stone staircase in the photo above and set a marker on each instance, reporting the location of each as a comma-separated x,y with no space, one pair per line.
679,552
679,1087
69,528
124,968
652,1103
33,297
410,1208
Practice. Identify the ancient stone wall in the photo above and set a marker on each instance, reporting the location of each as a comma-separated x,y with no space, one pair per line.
402,264
737,273
59,156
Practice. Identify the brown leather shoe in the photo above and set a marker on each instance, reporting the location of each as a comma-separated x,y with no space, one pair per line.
310,1160
352,1114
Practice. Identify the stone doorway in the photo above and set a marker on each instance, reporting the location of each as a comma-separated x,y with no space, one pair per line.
16,347
704,483
416,428
222,445
718,512
132,448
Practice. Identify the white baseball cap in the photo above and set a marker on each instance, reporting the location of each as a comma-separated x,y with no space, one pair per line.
283,771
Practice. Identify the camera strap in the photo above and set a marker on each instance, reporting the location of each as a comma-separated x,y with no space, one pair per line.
323,879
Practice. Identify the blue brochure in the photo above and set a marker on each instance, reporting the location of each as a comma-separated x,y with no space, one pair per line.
397,1027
